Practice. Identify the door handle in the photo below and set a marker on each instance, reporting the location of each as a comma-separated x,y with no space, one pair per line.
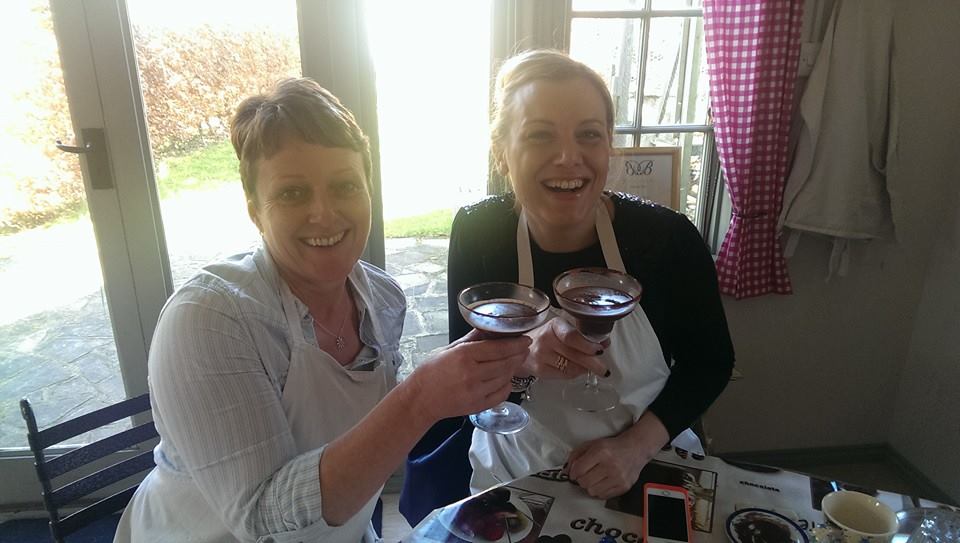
73,149
95,151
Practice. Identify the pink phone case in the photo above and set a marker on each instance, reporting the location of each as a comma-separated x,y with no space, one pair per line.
646,508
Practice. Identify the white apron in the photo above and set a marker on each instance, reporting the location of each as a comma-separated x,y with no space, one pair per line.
637,371
322,400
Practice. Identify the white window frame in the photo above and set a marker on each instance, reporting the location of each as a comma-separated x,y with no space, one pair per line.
711,214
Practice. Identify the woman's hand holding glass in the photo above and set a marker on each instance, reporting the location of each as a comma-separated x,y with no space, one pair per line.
499,310
558,338
469,376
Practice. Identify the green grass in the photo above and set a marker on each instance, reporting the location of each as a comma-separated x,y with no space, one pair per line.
204,168
434,224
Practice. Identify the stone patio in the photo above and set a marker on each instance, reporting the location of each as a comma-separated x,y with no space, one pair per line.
65,361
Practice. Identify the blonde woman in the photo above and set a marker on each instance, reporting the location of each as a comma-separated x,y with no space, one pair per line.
551,135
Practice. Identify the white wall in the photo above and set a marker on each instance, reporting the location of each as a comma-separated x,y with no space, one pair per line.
926,423
823,367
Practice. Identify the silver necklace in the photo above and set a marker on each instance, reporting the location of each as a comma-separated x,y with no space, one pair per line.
338,337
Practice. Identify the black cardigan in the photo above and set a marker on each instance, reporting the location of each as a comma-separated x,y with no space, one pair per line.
660,248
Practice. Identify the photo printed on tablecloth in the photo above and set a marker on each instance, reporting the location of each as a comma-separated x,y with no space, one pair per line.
499,514
701,486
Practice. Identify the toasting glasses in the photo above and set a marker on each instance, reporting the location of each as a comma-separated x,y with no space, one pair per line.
596,298
503,310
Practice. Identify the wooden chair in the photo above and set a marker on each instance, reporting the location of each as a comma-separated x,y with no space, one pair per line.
77,488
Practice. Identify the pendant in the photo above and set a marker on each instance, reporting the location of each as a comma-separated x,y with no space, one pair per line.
340,343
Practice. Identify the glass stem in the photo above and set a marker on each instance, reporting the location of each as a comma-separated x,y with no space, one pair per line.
500,409
592,382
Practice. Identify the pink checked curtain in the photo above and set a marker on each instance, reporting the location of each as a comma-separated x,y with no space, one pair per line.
752,53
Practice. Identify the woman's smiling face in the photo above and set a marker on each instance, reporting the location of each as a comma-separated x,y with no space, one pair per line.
557,151
312,206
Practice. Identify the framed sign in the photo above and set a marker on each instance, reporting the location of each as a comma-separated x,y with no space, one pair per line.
652,173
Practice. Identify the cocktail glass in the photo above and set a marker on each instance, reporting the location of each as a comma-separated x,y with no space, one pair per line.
596,298
500,310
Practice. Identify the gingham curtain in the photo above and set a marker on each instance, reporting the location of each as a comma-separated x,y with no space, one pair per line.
752,53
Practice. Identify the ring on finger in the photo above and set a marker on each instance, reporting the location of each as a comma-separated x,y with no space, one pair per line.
561,364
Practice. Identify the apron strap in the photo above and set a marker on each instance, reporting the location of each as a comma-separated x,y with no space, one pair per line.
524,258
608,240
608,243
358,275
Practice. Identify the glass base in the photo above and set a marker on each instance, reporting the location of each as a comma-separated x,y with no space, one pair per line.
506,418
592,399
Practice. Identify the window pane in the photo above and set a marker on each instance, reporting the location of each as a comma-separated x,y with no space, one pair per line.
619,5
676,4
56,338
623,140
675,89
603,5
197,61
409,115
434,139
610,47
692,160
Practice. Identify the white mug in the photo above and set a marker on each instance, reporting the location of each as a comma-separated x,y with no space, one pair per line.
861,518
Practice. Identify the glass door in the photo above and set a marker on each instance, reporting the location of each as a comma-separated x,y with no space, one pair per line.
94,239
195,62
82,274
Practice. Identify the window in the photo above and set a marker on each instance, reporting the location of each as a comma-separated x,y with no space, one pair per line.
424,91
77,321
651,54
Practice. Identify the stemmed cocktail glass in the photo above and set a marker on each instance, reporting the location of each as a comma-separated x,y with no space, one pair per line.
502,310
596,298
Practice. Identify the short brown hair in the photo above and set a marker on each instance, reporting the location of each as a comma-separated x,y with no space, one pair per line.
538,65
298,108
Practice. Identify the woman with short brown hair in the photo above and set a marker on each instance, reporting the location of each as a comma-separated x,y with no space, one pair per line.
273,374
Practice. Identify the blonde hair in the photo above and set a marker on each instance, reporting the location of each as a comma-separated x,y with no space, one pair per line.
537,65
298,108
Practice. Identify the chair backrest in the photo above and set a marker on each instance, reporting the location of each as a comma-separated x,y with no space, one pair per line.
74,490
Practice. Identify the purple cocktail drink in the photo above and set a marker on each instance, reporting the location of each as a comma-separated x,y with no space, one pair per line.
596,298
597,309
503,316
502,310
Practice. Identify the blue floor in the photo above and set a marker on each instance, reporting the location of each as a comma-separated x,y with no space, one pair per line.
36,531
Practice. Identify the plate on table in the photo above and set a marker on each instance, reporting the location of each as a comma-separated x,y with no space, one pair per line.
754,525
496,516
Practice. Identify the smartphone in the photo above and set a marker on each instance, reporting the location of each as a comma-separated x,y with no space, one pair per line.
666,514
